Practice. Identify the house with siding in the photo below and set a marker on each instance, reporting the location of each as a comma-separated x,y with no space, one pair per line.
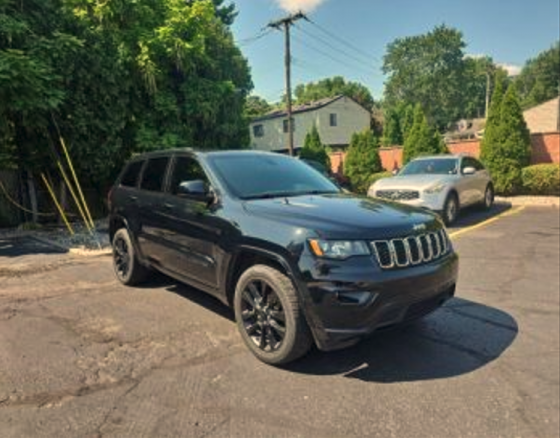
544,118
336,118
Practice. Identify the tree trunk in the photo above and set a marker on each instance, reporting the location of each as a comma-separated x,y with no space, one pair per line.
32,196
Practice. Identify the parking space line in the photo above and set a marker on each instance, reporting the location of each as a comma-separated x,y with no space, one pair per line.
487,222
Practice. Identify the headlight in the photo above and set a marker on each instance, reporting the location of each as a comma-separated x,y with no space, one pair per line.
338,249
438,188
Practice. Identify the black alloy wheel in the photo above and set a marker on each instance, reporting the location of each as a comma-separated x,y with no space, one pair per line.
263,317
121,254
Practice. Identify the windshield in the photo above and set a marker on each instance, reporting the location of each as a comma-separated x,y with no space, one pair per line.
437,166
256,176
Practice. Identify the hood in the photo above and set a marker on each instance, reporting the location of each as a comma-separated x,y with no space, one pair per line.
343,216
412,182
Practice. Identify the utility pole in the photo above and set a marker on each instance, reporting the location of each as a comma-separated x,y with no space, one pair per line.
487,94
285,24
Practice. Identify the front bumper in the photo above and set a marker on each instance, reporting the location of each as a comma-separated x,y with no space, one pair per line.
433,202
346,301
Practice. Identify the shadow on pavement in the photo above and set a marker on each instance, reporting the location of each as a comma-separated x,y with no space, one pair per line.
23,246
473,216
458,339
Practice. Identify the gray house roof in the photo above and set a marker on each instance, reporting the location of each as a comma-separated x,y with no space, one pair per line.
306,107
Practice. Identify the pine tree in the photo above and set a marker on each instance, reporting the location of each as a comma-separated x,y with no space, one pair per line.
506,148
422,139
314,149
392,133
491,130
362,159
407,121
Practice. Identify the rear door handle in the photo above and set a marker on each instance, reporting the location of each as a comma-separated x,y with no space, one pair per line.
133,198
169,206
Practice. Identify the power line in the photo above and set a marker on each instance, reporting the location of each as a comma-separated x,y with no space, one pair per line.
336,49
345,42
248,41
333,58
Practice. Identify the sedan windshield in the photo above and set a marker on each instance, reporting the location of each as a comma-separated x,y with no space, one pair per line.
438,166
261,176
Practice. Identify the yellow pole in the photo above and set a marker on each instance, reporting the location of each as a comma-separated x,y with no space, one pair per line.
77,182
49,188
73,193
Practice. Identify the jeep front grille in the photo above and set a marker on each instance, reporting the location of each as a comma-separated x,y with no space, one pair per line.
412,250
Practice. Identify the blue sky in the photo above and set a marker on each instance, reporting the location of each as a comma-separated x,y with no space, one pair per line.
511,31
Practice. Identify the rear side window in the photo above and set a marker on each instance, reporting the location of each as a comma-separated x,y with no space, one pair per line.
154,174
130,177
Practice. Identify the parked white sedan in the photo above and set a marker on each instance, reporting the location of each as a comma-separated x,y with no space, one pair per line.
444,184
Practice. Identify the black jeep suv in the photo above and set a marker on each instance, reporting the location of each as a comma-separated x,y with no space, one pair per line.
299,261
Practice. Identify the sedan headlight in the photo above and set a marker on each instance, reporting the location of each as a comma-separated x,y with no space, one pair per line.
338,249
438,188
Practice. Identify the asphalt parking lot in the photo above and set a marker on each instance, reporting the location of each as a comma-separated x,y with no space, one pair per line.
82,356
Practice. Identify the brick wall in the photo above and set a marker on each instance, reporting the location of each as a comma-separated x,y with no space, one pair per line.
546,149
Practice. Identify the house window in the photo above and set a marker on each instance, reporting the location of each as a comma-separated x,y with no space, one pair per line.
334,120
286,128
258,131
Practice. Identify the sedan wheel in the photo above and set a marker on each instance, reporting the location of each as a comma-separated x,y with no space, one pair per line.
489,197
451,210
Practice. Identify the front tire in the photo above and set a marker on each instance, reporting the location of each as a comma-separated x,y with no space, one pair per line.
451,209
269,316
128,269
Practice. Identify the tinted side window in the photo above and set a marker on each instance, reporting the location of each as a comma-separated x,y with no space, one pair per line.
154,174
130,177
186,169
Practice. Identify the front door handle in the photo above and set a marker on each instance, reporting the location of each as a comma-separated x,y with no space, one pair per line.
133,198
169,206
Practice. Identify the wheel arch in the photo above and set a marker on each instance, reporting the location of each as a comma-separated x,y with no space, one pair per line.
248,256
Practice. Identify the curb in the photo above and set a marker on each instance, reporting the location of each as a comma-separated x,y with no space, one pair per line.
530,201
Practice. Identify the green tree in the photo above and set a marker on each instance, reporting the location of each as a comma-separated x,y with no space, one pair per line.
314,149
362,159
169,75
422,139
392,132
506,147
332,87
256,106
407,120
429,70
540,78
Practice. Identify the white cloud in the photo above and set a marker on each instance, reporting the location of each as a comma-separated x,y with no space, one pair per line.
299,5
513,70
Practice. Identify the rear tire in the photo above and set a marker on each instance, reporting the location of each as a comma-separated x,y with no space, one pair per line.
489,196
269,316
451,209
128,269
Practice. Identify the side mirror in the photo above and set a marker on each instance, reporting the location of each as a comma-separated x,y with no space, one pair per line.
469,171
195,190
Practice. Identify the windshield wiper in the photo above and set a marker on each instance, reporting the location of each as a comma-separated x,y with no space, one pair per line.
269,195
274,195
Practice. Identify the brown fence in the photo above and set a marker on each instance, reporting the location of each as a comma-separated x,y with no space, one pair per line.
545,149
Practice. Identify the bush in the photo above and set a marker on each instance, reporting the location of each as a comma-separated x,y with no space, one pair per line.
422,139
542,179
